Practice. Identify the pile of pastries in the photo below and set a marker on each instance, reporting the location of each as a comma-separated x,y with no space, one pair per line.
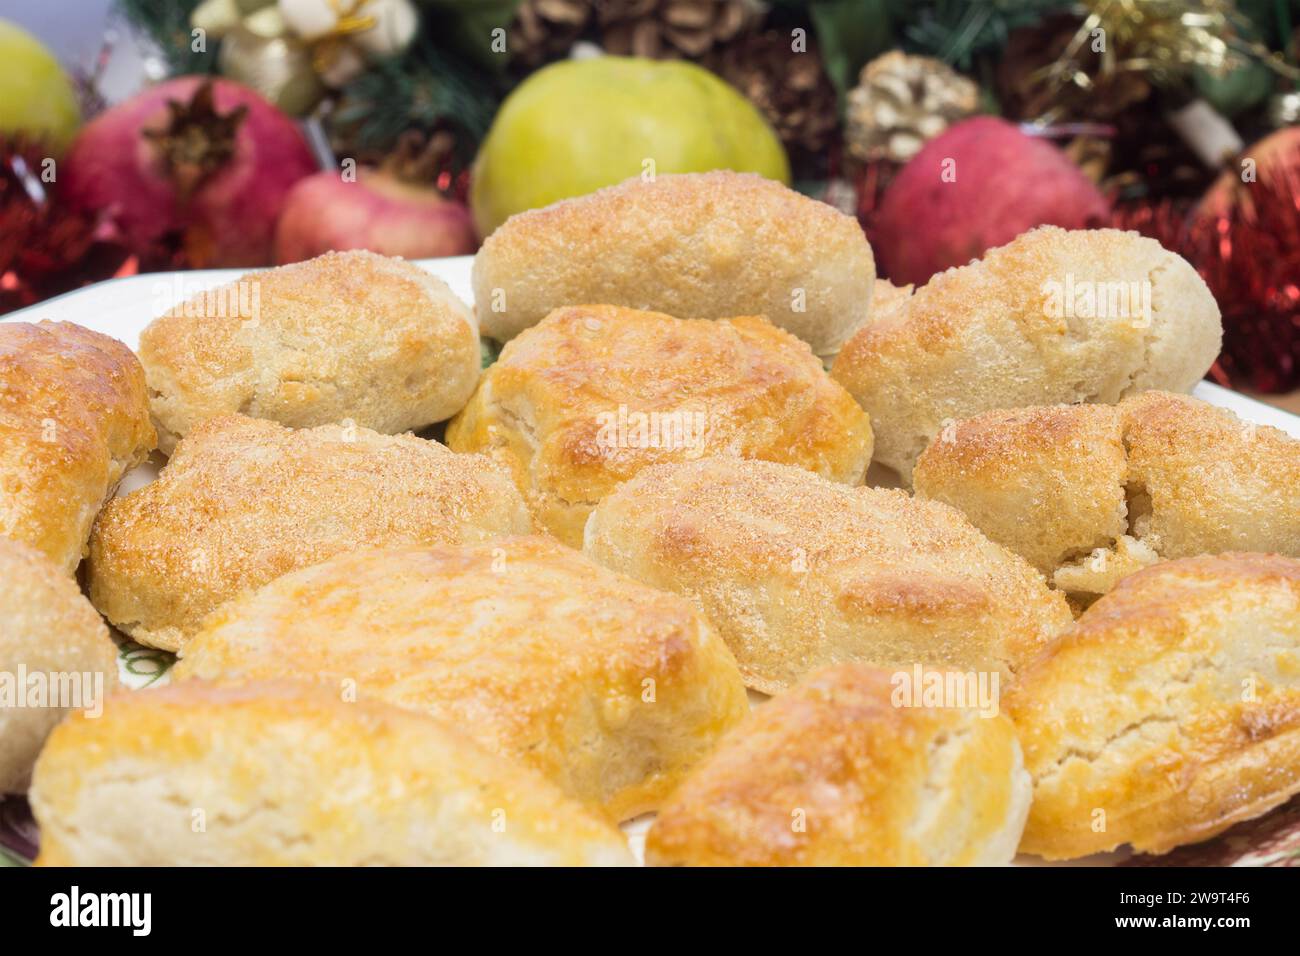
1008,587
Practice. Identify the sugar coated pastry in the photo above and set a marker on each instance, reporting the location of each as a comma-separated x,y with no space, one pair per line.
55,655
584,400
74,418
795,571
244,500
698,245
346,336
1168,712
1053,316
845,770
610,688
294,775
1089,493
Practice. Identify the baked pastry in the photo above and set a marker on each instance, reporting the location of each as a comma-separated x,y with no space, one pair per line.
835,772
74,418
348,335
699,245
593,394
795,571
1168,712
292,775
610,688
1053,316
1089,493
244,500
55,654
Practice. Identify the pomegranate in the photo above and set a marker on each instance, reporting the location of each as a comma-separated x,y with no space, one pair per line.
395,210
202,162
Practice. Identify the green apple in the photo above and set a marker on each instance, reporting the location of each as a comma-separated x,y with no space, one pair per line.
36,97
579,125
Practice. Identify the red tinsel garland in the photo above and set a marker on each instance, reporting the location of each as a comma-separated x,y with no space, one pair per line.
1249,256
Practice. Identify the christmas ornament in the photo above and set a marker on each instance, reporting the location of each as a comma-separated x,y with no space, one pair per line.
291,50
977,185
1272,157
577,125
202,162
395,210
261,53
345,34
1030,56
36,98
666,29
544,30
901,102
1246,245
46,248
1164,42
790,87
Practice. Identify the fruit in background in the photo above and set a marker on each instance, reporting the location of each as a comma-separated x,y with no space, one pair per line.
579,125
1274,154
207,162
37,101
378,212
977,185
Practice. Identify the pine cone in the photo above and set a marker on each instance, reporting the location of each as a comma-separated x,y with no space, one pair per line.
902,101
544,30
790,88
671,29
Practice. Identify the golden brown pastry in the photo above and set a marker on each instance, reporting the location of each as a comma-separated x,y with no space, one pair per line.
346,336
1089,493
610,688
1053,316
74,418
795,571
835,772
593,394
293,775
1169,712
699,245
55,654
243,501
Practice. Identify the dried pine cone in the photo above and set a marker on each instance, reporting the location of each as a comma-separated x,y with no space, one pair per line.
790,88
902,101
668,29
544,30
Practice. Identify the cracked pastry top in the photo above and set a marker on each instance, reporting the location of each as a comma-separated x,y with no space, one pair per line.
593,394
48,628
1090,493
348,335
74,418
699,245
610,688
1053,316
1168,712
834,773
796,572
244,500
288,774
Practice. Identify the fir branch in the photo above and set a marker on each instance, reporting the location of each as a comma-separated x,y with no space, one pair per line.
424,89
167,23
958,31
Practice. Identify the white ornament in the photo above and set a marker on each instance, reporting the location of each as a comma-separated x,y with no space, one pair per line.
351,31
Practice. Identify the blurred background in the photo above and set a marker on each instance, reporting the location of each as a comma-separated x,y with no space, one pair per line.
141,135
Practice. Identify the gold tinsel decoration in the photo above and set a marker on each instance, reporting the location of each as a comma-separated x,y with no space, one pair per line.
1160,40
